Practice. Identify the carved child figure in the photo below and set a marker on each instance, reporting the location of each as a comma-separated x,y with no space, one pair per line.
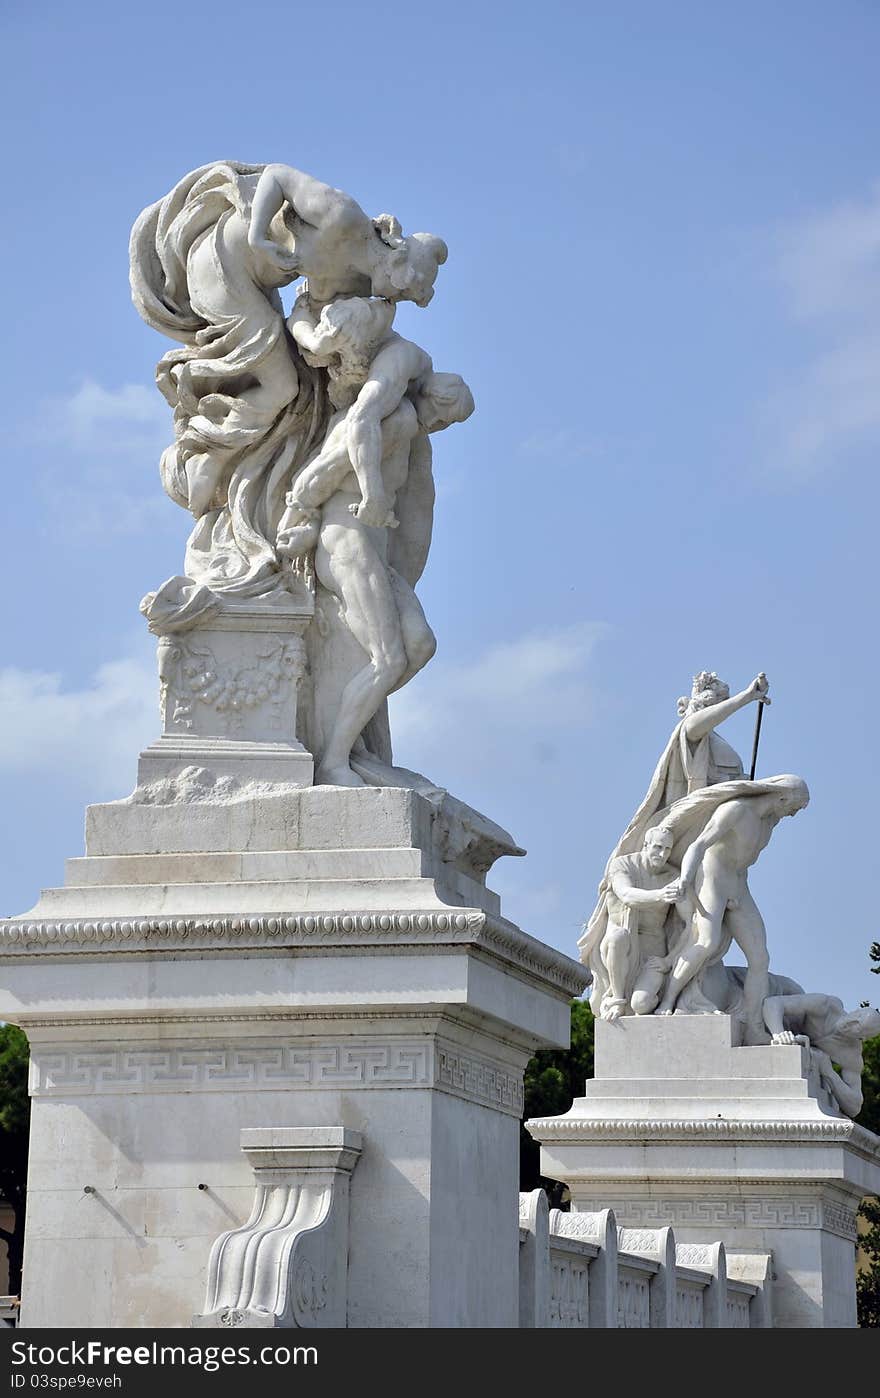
342,505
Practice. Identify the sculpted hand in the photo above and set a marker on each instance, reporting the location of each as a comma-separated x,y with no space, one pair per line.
663,964
784,1036
319,343
376,513
673,892
297,536
298,529
758,689
325,340
271,258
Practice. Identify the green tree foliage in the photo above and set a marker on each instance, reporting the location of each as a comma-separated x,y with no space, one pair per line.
15,1111
870,1114
554,1077
868,1282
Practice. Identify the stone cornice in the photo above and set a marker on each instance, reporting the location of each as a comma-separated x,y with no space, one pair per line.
588,1130
320,932
134,934
505,939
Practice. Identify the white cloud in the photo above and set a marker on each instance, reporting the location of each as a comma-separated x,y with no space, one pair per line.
95,731
835,405
127,423
515,696
829,264
830,261
561,443
142,410
101,468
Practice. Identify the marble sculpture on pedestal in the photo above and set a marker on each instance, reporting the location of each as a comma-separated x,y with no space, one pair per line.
301,445
675,896
280,1016
277,989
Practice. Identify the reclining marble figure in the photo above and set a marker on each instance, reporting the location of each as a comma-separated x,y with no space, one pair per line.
833,1036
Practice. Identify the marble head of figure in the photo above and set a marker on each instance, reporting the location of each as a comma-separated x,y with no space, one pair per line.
707,689
409,269
658,845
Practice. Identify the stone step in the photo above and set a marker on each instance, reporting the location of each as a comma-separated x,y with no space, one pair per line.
313,818
782,1083
255,866
232,896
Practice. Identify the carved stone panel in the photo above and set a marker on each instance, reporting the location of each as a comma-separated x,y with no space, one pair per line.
633,1301
689,1308
569,1293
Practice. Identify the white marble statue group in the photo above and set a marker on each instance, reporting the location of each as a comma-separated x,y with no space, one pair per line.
675,896
302,449
301,442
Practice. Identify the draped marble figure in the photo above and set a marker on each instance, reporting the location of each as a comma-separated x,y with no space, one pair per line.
261,402
695,756
675,894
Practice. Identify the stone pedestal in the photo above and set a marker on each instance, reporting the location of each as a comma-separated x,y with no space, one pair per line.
680,1128
318,958
229,694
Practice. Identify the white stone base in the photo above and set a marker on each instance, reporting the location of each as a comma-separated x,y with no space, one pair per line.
322,959
679,1128
229,695
172,754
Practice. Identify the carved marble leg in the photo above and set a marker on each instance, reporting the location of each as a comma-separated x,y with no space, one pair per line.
287,1266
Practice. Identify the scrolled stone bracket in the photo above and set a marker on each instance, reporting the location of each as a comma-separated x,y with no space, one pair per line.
286,1268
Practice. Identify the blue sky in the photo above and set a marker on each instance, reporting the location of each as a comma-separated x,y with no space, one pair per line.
664,290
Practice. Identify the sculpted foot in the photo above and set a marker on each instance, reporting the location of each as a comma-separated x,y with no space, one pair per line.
337,776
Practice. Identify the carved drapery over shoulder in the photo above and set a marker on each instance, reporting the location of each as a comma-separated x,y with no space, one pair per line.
246,407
